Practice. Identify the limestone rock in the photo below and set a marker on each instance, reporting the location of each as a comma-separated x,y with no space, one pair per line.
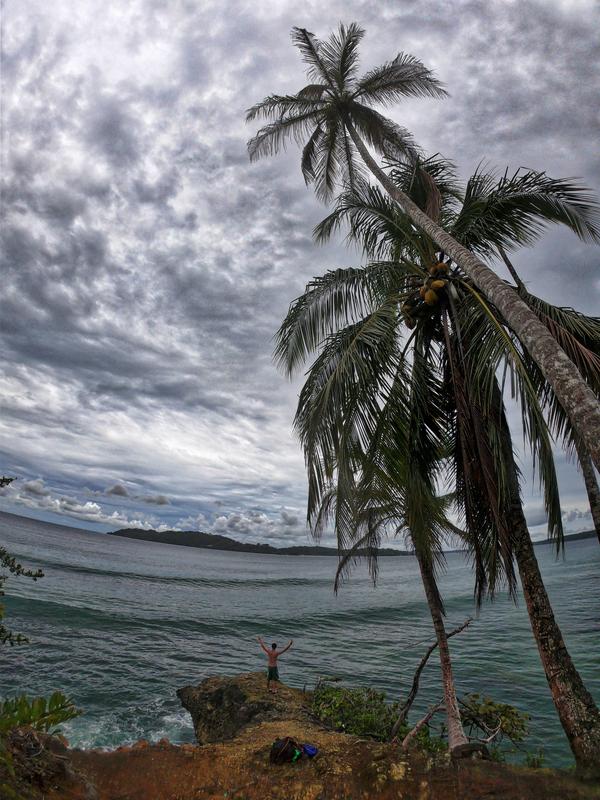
222,707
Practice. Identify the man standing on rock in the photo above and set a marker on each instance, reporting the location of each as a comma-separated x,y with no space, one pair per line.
272,656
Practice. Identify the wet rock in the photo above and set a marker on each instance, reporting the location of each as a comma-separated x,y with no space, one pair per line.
221,707
142,744
470,750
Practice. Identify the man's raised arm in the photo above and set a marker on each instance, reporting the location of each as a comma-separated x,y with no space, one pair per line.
262,644
287,647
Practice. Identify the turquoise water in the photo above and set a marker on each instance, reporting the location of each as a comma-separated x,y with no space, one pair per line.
119,625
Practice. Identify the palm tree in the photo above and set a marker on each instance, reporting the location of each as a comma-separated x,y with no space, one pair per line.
372,470
358,362
334,118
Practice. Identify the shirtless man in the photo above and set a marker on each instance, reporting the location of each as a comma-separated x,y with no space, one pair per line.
272,656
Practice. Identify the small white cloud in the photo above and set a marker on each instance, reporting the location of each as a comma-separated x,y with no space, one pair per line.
193,523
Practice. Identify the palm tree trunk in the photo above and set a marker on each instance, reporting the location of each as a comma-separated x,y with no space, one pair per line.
571,390
591,483
456,734
577,711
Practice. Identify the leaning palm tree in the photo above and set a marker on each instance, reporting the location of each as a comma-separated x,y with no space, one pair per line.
333,117
378,472
350,315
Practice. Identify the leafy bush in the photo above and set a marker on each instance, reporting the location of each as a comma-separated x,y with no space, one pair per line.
484,716
362,712
38,713
14,568
535,760
42,714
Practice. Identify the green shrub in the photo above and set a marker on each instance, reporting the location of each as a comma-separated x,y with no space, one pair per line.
535,760
362,712
484,716
14,568
42,714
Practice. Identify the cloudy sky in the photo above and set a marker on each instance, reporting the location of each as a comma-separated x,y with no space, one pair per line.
147,264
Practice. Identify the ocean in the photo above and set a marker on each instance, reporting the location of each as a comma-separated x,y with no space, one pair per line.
119,625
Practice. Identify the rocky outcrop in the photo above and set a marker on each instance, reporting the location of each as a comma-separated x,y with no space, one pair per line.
222,707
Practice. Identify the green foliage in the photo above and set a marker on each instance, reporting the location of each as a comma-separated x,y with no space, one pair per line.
535,760
482,714
41,713
362,712
14,568
497,755
429,743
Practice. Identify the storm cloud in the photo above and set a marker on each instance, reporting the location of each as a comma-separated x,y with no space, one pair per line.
147,264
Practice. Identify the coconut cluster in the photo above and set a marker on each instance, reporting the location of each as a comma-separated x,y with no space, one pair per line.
429,295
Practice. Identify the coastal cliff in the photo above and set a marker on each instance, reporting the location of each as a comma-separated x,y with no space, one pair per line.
236,721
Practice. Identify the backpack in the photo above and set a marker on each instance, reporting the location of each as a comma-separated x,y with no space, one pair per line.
286,750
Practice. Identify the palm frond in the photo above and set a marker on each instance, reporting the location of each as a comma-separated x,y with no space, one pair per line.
478,471
272,137
332,301
329,160
579,336
514,209
340,54
276,106
405,76
309,153
424,178
375,222
310,48
353,165
494,344
386,137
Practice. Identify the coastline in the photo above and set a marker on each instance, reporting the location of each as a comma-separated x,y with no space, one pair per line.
236,722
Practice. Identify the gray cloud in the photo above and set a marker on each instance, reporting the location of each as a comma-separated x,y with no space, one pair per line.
147,264
36,488
119,490
155,500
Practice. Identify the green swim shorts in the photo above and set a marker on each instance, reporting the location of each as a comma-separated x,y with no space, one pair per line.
272,674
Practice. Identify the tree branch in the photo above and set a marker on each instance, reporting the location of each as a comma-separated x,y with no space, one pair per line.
423,721
520,285
415,684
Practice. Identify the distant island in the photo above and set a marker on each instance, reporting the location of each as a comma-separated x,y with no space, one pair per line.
212,541
571,537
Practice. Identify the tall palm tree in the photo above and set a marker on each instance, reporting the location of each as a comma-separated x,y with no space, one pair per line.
334,118
377,470
349,314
